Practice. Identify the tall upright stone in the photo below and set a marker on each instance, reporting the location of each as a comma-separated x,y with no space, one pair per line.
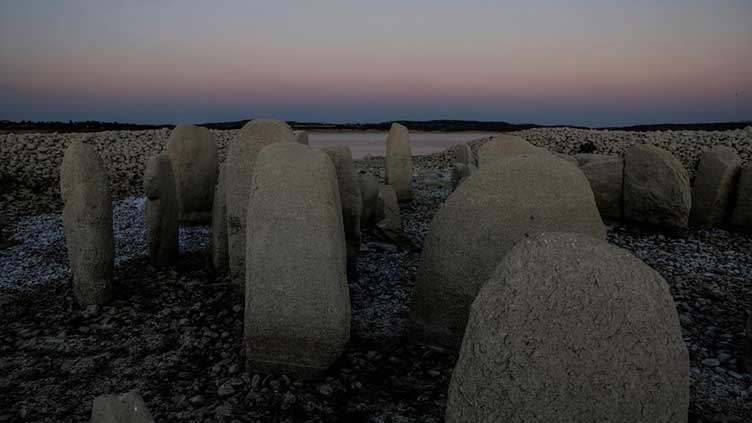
399,162
656,188
218,241
390,221
714,187
194,156
241,156
301,137
87,223
297,304
742,216
352,204
161,211
606,178
571,329
501,204
369,193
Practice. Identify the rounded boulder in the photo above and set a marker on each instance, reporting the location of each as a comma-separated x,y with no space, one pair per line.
571,329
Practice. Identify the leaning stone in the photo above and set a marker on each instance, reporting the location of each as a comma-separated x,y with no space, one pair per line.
123,408
399,162
218,241
87,223
241,156
194,156
301,137
500,205
460,172
571,329
369,193
352,204
742,217
503,146
297,313
656,188
606,177
390,224
713,190
161,211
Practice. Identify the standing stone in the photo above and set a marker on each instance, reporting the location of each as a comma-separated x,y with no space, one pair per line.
352,204
194,156
218,241
503,146
369,194
87,223
656,188
399,162
571,329
713,191
161,211
301,137
460,172
462,154
742,217
241,156
606,177
480,222
297,304
390,222
124,408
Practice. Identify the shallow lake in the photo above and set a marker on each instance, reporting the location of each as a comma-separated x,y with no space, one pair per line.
374,143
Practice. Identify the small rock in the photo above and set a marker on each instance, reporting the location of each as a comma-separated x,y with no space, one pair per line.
225,390
326,389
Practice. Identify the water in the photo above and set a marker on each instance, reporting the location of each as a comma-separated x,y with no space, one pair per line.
374,143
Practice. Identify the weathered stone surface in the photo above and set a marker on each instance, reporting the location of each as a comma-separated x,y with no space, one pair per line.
460,172
585,158
352,204
742,216
606,177
123,408
301,137
194,156
87,223
369,194
218,241
714,186
656,188
297,313
390,222
399,162
745,358
503,146
480,222
565,157
571,329
241,156
462,154
161,211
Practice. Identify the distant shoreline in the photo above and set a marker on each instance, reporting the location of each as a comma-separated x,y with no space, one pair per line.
7,126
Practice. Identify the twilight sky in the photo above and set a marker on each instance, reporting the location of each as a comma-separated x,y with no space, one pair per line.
593,63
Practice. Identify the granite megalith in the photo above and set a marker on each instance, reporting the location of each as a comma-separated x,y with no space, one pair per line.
714,186
480,222
571,329
460,172
301,137
502,146
241,156
656,188
369,194
399,162
194,157
352,204
87,223
218,241
390,222
606,178
297,304
161,211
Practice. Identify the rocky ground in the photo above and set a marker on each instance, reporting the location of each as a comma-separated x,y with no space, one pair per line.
174,334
